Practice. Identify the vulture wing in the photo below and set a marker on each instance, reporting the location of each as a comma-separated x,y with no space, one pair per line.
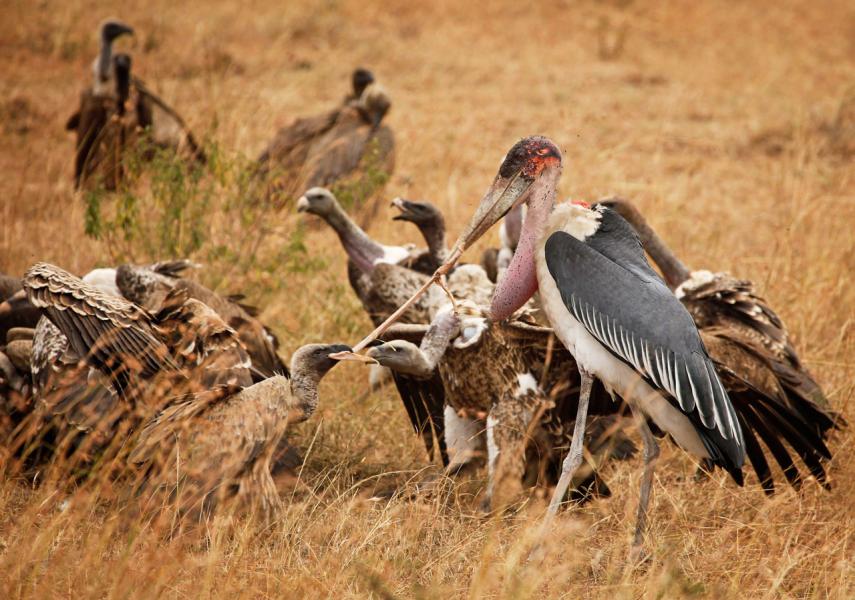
116,336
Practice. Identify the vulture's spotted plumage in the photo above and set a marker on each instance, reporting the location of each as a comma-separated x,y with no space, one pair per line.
184,373
149,286
512,379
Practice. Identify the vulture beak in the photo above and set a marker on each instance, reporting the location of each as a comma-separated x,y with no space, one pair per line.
350,355
401,205
112,29
302,204
503,195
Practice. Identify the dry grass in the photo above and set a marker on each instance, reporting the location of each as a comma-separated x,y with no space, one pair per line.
714,116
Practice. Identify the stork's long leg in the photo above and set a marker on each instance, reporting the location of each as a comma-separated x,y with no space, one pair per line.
651,454
574,456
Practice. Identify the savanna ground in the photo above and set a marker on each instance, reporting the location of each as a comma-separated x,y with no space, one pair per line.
731,124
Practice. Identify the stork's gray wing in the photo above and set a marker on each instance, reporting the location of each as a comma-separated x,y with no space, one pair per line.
115,335
608,286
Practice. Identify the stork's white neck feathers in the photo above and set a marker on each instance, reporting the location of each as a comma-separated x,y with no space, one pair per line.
579,221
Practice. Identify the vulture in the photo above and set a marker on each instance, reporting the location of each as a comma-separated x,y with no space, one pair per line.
224,438
148,286
100,363
358,135
511,377
60,379
382,278
348,148
183,373
103,129
431,224
116,112
287,151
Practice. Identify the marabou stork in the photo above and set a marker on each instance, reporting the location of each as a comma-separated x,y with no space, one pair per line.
775,395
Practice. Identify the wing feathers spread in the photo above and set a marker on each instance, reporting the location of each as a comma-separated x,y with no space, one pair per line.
629,309
113,333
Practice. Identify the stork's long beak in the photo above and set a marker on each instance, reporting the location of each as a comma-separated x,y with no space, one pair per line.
302,204
503,195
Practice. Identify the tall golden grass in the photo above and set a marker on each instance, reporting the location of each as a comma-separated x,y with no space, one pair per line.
719,119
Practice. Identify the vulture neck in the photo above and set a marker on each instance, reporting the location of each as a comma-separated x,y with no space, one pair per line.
304,388
361,249
444,327
673,270
434,234
105,57
520,280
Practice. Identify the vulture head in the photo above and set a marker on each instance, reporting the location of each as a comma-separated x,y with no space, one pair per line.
113,28
360,80
315,358
317,201
373,104
422,214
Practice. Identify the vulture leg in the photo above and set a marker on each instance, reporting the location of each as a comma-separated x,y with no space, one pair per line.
575,455
508,426
651,454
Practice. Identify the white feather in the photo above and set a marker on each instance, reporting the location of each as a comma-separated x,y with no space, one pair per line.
527,384
104,280
463,437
